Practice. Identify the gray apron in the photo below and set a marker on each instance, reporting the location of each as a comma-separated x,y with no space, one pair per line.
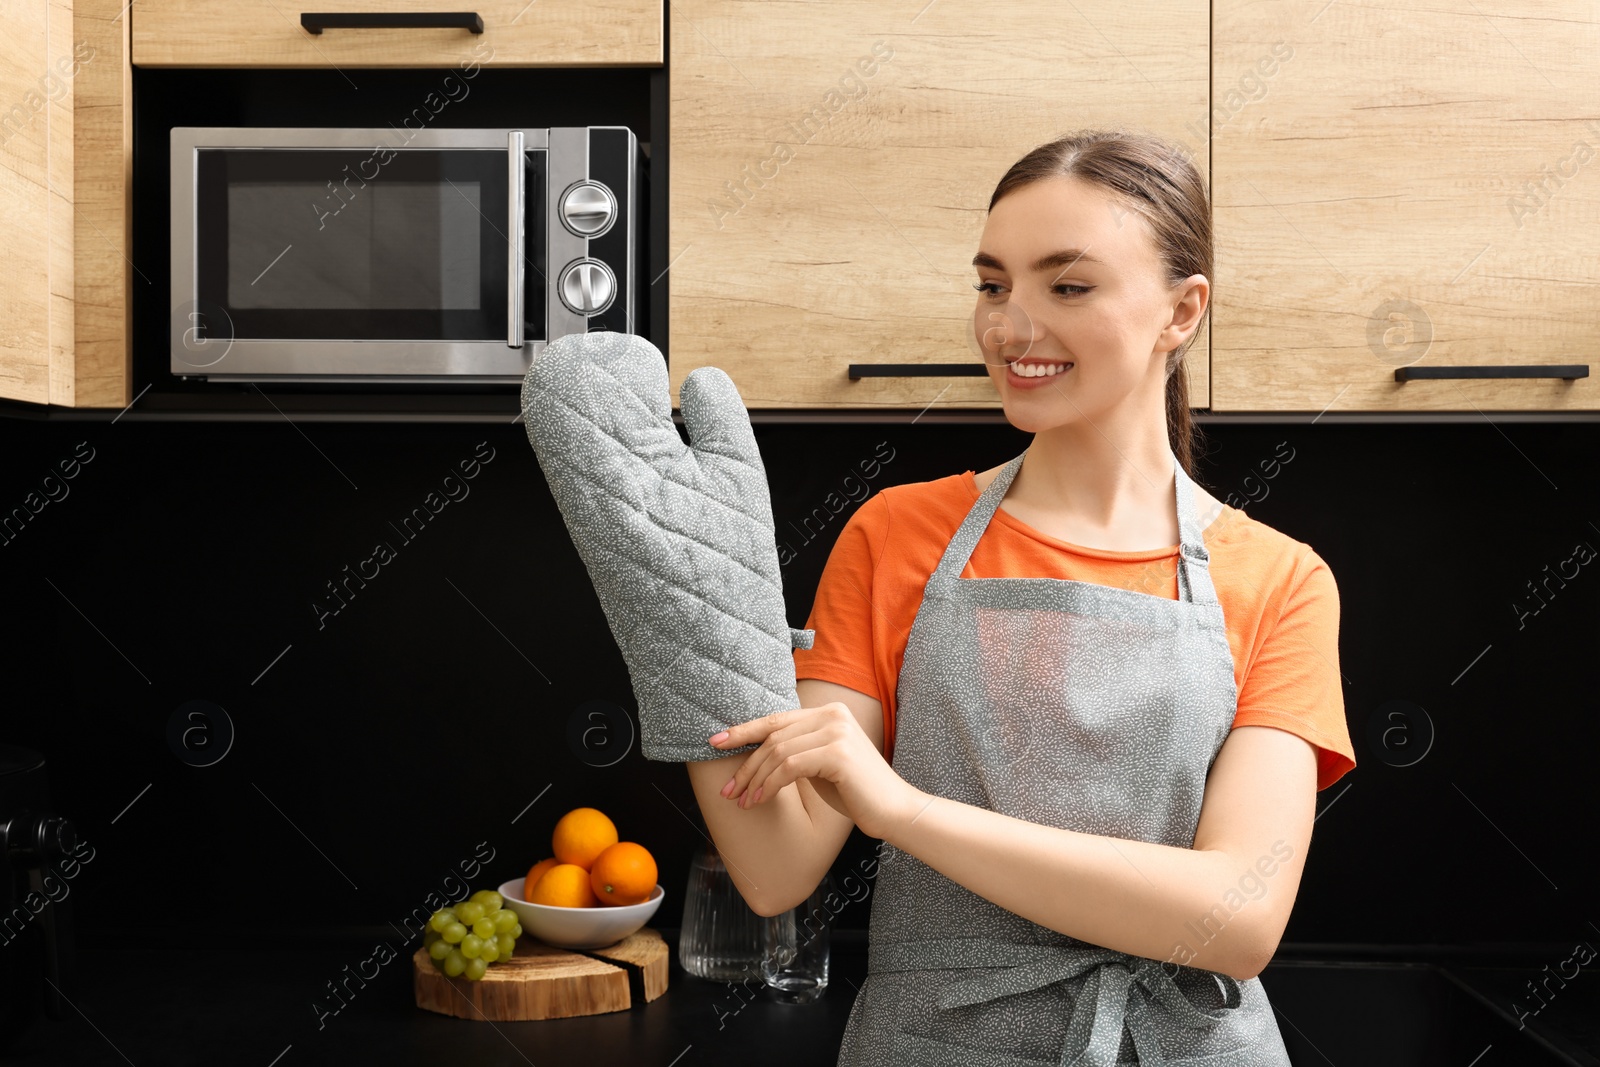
1078,706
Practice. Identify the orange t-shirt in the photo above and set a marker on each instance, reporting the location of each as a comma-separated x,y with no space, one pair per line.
1278,598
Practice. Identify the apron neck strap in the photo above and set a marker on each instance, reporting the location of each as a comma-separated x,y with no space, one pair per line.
1192,552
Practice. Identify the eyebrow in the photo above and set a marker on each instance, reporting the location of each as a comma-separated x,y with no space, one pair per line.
1066,257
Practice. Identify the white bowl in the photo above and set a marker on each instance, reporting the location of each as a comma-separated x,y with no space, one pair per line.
594,927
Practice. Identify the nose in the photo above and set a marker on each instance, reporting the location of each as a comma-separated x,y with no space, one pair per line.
1010,330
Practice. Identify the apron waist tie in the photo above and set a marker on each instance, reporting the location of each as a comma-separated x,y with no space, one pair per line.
1091,1041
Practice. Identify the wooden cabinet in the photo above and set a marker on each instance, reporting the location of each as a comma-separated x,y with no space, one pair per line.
35,196
63,181
832,167
1410,188
516,33
101,171
1391,190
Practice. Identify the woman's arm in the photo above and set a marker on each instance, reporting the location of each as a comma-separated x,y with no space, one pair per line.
1221,905
777,853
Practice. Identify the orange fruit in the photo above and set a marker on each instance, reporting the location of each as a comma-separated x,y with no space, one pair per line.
566,885
581,835
623,874
534,874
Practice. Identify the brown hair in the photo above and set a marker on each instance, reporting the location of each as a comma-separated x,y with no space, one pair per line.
1158,180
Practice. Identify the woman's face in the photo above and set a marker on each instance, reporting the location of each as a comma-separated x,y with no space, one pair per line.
1071,276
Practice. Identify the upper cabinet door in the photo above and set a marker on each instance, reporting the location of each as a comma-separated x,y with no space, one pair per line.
1404,188
516,33
103,274
36,72
832,165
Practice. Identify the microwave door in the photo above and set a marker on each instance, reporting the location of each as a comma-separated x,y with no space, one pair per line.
324,261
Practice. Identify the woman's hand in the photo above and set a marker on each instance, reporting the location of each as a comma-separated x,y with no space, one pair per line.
827,745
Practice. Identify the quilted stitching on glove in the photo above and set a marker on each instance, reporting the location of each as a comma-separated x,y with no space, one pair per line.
678,539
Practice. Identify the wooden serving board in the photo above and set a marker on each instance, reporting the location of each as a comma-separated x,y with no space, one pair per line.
540,981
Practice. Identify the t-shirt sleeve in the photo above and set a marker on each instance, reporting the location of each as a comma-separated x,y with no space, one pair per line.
1294,683
841,613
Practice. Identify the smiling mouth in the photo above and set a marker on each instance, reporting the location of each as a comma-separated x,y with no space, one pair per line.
1038,370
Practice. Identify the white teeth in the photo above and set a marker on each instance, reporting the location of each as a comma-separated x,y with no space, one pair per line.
1037,370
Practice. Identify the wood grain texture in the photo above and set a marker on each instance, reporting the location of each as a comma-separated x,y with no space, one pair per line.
27,310
824,212
646,955
97,374
1377,203
542,982
60,223
517,33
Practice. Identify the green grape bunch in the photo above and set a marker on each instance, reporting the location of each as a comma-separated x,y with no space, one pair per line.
463,938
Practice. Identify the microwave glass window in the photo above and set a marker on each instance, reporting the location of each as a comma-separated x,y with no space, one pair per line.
372,244
393,245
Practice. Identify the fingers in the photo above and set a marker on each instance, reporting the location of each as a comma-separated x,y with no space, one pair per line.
753,732
752,772
756,732
762,774
780,770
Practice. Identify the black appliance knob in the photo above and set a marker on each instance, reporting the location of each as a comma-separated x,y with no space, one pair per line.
57,837
37,840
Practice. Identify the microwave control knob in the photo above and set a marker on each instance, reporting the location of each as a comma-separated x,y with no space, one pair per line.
587,287
588,208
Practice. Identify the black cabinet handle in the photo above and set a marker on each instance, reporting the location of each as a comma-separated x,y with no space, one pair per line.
1568,371
317,21
917,370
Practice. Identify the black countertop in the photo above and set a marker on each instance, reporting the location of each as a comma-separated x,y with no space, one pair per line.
235,1004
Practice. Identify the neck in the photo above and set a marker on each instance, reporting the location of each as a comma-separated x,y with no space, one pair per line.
1099,477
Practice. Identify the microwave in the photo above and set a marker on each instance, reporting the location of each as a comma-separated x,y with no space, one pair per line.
398,255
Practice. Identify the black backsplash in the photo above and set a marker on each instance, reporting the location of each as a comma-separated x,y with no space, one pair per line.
378,743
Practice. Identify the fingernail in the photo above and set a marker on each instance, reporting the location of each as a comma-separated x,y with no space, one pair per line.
728,788
717,739
757,798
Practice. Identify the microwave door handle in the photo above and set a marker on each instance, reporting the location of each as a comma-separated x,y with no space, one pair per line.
515,217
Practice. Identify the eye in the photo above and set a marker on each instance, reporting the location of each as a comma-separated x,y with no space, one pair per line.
992,288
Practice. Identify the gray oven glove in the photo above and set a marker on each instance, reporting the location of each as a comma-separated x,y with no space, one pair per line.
678,539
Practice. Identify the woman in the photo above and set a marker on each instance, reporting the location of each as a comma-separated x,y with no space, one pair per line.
1095,788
